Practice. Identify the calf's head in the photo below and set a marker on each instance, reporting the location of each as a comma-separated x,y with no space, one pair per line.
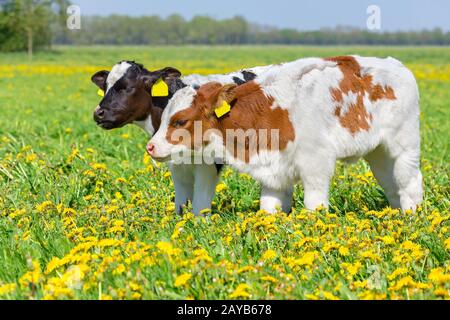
128,94
190,121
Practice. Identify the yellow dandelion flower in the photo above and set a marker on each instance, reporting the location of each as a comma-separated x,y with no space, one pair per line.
170,207
121,180
447,244
443,293
119,270
352,268
201,255
370,295
311,296
182,280
43,206
241,292
245,269
344,251
136,296
89,173
307,259
99,166
26,235
53,264
397,272
69,211
388,240
330,246
269,279
31,277
269,255
407,282
221,187
31,157
7,288
329,296
437,275
165,247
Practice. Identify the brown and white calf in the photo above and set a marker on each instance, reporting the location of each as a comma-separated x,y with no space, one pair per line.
296,120
129,98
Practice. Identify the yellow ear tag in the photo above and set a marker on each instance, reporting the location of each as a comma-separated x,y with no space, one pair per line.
223,110
101,93
160,89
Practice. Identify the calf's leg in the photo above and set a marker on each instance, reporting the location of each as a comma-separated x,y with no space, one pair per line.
316,173
404,148
408,178
206,178
183,181
382,166
399,176
273,200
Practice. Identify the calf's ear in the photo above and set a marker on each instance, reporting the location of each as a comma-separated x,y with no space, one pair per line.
169,75
100,79
227,93
223,100
150,79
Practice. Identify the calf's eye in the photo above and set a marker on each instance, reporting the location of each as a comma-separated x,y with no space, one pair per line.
179,123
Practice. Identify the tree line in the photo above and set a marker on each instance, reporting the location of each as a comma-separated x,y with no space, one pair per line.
28,24
175,30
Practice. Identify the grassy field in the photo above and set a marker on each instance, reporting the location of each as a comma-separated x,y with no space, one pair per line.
85,214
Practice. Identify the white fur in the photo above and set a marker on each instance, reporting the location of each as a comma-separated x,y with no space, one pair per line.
391,145
198,80
275,199
117,72
146,125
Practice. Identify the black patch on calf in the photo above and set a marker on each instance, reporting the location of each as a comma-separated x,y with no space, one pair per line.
248,75
160,102
238,81
176,85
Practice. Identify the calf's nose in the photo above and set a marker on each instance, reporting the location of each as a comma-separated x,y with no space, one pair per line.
151,149
100,113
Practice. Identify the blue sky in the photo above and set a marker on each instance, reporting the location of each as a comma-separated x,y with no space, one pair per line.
298,14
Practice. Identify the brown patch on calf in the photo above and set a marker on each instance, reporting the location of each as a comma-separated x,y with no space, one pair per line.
357,117
251,110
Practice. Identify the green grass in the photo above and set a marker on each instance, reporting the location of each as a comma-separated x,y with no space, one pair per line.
50,151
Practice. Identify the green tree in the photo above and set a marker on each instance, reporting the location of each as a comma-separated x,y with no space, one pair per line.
26,24
33,16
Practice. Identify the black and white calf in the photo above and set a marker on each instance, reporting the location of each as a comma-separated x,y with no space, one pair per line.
130,97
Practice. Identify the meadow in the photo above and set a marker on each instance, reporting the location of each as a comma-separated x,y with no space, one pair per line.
85,214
